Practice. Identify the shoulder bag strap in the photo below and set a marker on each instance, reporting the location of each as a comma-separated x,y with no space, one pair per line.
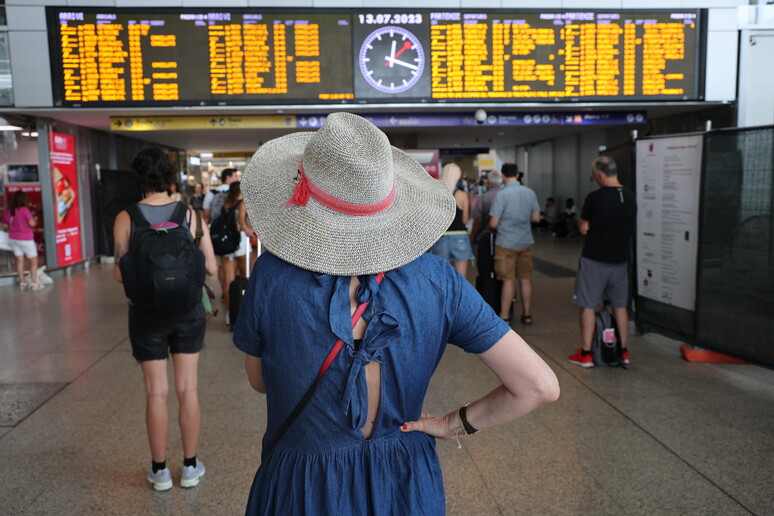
138,219
179,214
312,388
199,230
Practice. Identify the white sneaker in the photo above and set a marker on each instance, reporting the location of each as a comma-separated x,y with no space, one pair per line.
191,474
24,286
161,480
36,286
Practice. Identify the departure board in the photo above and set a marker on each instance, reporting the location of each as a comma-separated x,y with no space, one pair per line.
167,57
158,57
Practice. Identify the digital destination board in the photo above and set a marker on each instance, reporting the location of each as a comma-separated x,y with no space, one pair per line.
166,57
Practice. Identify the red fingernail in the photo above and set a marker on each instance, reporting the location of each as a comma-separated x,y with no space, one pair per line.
405,427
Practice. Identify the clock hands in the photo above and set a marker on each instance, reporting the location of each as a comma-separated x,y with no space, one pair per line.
392,59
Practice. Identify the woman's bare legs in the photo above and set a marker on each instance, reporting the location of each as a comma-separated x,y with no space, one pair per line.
34,270
462,267
186,385
156,416
20,268
229,273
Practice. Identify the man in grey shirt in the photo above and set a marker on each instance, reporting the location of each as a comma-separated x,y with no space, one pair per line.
514,210
480,213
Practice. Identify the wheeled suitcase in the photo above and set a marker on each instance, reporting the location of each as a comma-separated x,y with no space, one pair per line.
236,291
487,283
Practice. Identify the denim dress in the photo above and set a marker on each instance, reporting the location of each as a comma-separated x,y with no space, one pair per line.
291,318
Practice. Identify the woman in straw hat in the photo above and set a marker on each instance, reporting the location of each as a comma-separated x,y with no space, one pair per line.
454,245
344,352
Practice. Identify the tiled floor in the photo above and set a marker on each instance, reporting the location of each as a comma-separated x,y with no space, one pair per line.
664,437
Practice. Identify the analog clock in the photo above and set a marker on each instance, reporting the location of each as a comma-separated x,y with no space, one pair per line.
391,59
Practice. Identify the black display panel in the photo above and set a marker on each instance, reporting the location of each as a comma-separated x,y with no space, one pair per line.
163,57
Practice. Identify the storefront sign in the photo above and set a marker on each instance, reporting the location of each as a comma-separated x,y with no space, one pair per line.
67,221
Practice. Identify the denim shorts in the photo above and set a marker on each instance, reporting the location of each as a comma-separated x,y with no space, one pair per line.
454,248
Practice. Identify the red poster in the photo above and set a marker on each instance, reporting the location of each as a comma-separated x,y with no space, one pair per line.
36,207
67,221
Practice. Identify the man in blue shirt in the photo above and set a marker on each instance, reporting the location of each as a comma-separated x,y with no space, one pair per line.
514,210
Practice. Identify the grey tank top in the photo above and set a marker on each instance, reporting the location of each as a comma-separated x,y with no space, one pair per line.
156,214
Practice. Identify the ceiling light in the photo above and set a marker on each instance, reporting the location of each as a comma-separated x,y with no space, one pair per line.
206,155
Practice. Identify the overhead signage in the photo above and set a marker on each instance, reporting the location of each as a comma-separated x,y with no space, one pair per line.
103,56
177,123
532,118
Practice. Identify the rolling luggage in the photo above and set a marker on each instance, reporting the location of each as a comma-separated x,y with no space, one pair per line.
487,283
236,291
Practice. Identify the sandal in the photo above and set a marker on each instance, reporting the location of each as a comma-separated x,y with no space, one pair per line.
526,320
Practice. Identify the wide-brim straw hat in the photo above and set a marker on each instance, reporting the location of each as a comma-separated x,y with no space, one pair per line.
342,200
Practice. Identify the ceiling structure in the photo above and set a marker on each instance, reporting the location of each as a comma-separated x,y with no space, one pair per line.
247,140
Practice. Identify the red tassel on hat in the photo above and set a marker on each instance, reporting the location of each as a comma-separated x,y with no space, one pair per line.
301,193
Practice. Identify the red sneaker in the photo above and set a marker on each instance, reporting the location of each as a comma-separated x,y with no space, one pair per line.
581,360
626,356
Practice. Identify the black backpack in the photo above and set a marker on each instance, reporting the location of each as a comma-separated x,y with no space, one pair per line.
224,232
606,347
163,272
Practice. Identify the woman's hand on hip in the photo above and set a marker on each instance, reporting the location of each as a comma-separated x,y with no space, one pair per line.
443,427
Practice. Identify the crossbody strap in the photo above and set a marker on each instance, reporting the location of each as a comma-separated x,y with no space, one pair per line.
312,388
199,229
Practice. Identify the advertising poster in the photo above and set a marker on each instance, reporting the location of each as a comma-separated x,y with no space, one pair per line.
668,181
36,207
65,181
429,159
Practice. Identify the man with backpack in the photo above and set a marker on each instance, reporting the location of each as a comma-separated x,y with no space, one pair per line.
214,200
608,221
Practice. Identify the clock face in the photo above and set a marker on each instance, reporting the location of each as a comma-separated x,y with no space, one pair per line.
391,60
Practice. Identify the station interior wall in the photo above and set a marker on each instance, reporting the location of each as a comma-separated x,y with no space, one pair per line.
557,167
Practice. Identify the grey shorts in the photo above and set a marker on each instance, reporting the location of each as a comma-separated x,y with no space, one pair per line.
598,281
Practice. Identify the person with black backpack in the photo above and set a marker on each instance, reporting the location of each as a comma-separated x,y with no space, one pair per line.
608,221
230,241
162,270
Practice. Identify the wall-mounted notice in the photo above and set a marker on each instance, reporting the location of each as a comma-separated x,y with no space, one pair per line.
64,176
668,181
